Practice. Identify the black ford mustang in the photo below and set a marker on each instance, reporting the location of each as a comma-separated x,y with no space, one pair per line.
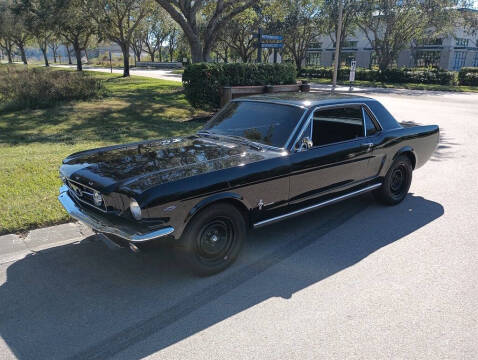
259,160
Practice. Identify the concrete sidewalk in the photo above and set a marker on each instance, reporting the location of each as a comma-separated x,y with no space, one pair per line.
15,247
151,73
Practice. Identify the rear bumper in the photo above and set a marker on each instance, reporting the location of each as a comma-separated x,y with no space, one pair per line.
103,224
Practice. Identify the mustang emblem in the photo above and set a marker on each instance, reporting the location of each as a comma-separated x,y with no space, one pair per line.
77,190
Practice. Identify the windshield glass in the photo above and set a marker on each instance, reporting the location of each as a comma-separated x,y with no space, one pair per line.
265,123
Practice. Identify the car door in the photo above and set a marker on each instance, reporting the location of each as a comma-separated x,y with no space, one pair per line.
339,158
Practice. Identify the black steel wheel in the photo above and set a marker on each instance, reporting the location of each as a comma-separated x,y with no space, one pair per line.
396,183
212,240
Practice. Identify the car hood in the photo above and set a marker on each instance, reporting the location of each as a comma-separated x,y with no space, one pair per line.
145,164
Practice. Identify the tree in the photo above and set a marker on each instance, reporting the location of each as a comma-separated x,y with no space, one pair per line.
172,43
390,26
54,45
6,29
329,21
76,26
159,26
117,20
237,36
68,52
40,17
13,24
300,27
213,17
137,42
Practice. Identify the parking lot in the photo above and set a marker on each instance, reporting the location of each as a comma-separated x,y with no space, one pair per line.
354,280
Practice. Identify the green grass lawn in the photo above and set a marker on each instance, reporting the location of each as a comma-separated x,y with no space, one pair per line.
410,86
33,142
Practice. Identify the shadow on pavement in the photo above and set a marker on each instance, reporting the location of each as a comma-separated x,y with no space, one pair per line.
85,301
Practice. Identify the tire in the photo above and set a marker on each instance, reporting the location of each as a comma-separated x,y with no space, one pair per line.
212,240
396,183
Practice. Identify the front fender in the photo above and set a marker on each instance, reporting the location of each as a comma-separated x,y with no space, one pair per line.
215,198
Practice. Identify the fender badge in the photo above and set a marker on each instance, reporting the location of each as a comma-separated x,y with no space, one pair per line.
260,204
169,208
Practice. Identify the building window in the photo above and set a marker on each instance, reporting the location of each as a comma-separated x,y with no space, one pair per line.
348,44
345,58
462,42
460,57
475,61
315,45
429,42
427,58
313,59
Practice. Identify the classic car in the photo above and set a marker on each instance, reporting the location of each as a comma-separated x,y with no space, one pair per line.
259,160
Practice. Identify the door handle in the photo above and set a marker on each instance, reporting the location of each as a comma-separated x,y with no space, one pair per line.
368,146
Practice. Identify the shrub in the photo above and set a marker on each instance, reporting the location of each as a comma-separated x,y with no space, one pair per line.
202,82
39,87
468,76
401,75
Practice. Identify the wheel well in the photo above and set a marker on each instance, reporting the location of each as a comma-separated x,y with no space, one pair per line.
236,203
411,156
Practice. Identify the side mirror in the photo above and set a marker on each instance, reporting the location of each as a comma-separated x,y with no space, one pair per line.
305,144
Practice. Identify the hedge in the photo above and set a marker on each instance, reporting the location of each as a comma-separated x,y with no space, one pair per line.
468,76
202,81
41,87
401,75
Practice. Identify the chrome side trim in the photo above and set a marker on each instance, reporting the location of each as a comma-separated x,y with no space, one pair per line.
102,224
297,126
315,206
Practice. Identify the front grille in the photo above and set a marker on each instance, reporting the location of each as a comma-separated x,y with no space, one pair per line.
84,194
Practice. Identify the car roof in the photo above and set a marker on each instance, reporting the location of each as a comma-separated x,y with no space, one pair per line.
306,99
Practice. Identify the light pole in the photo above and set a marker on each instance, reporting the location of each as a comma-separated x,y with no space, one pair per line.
338,36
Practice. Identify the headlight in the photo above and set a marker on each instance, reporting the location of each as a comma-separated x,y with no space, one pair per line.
97,198
135,209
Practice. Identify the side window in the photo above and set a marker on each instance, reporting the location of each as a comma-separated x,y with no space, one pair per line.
369,125
337,124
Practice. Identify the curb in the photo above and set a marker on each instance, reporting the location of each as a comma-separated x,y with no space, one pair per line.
14,247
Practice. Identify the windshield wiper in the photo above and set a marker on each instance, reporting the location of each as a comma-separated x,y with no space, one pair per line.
245,141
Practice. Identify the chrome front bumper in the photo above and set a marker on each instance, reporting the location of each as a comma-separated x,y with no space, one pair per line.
102,224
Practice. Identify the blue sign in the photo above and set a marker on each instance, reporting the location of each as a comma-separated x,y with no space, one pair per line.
276,45
269,37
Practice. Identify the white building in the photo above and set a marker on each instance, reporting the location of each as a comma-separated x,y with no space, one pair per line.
451,52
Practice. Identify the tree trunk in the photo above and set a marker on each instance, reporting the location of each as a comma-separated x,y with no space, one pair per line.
54,55
22,53
45,57
196,50
9,55
160,54
125,60
69,55
152,56
79,65
86,56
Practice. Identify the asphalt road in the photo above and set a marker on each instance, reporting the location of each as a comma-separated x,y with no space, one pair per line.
354,280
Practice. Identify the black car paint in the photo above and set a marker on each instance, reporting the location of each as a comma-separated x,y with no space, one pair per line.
171,188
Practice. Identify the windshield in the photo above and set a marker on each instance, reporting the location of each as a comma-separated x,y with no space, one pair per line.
265,123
